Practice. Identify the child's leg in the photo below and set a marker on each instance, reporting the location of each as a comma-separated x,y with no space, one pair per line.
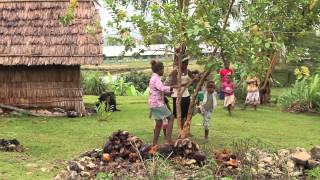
206,134
169,129
206,124
157,130
229,109
164,132
164,126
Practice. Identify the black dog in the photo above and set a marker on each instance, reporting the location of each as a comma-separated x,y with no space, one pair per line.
109,99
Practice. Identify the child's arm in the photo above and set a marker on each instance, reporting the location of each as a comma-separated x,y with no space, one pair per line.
232,87
215,103
161,87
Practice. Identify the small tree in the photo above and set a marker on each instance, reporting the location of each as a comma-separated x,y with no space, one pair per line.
185,25
266,29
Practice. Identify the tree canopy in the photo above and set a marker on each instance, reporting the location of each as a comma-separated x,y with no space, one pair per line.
266,34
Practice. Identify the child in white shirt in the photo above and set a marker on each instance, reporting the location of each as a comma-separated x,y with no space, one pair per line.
207,106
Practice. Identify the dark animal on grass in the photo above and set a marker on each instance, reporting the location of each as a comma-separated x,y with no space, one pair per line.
109,99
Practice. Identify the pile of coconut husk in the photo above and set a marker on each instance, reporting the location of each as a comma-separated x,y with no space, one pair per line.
122,145
124,155
91,163
226,159
283,164
186,148
12,145
228,163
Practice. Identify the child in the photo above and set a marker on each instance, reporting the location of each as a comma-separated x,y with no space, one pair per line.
164,120
207,106
228,89
196,78
159,110
253,97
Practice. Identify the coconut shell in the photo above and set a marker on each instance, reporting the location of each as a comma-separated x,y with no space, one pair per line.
106,157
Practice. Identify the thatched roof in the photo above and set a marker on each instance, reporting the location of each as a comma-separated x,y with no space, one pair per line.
31,33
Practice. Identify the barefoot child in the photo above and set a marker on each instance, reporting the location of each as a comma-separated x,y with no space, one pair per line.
159,110
165,121
253,97
229,99
207,106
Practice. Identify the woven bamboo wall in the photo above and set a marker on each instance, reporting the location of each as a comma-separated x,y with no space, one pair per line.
41,87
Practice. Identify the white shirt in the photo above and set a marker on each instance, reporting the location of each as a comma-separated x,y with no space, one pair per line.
184,80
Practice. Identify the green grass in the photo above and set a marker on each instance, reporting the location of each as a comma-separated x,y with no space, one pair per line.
49,141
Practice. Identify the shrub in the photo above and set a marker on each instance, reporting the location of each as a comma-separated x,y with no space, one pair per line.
103,115
95,83
92,83
123,88
139,80
304,96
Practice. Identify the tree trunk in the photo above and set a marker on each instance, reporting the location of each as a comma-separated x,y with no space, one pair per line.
179,95
266,87
182,4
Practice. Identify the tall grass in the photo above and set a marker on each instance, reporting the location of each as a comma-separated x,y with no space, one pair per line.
93,83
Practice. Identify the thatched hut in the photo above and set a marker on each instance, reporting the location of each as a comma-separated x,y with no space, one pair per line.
40,58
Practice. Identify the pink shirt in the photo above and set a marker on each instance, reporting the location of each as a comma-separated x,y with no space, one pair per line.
228,88
157,90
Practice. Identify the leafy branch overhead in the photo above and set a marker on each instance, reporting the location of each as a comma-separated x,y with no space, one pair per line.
264,27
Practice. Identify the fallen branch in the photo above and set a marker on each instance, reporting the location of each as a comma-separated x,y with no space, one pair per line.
29,113
139,154
23,111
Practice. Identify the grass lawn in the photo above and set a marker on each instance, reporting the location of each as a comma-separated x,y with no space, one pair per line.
50,141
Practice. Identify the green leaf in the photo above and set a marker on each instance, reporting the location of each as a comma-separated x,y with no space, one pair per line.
267,45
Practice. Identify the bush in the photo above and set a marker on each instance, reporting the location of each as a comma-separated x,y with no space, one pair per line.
139,80
103,115
95,83
120,87
92,83
304,96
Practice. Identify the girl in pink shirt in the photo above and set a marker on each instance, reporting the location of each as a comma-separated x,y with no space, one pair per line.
229,98
159,109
